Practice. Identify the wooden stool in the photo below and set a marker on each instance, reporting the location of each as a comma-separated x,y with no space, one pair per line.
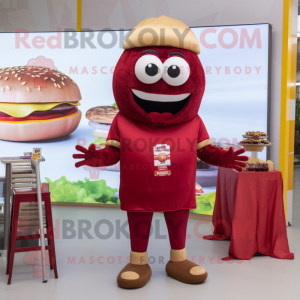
24,216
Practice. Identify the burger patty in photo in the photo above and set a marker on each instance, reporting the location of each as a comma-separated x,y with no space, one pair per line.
37,103
100,119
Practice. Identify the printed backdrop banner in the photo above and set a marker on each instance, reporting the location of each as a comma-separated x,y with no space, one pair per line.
235,61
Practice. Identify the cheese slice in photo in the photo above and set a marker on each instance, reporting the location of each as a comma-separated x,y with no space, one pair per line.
19,110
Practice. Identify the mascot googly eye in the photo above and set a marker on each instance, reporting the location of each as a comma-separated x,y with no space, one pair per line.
176,71
148,69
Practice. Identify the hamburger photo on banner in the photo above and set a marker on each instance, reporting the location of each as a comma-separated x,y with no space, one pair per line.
100,119
37,103
199,190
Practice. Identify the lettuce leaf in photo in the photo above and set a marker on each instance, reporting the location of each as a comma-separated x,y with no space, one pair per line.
205,204
86,191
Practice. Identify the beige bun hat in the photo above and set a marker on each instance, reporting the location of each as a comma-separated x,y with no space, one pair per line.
162,31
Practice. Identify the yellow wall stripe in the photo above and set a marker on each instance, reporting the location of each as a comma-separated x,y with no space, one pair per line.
79,14
288,91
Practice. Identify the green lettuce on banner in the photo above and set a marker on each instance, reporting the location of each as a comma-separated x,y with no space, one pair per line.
205,204
85,191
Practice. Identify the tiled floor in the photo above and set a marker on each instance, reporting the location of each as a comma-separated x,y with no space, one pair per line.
88,267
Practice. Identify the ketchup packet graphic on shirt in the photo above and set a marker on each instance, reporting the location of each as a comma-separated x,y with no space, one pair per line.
162,160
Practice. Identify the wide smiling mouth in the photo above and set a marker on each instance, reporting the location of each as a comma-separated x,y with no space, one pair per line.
160,103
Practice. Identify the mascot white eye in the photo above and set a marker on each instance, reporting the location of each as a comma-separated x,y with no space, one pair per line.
176,71
148,69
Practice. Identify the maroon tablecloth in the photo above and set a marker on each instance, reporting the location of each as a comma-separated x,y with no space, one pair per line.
249,211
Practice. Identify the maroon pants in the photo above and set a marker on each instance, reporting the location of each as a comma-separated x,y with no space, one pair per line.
140,225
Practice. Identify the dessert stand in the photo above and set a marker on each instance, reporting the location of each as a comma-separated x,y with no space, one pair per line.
254,148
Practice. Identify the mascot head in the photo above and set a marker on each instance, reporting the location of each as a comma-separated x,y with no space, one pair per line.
159,79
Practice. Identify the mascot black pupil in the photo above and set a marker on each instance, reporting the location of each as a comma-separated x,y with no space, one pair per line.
151,69
173,71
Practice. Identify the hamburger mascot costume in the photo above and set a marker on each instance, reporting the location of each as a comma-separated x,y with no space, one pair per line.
158,84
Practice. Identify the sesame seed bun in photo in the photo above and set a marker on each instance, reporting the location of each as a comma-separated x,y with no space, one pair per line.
100,119
37,103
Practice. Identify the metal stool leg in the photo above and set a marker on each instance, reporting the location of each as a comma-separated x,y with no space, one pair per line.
9,241
36,165
7,204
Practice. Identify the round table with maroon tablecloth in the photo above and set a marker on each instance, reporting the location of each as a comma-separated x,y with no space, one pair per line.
249,211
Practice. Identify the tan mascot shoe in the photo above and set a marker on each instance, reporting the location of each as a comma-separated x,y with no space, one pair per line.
184,270
135,274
